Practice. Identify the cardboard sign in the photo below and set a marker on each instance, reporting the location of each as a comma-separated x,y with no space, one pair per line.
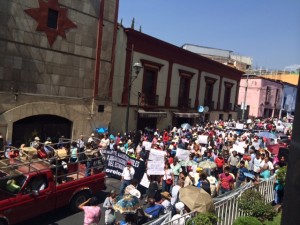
182,154
155,168
239,126
203,139
145,181
147,145
157,155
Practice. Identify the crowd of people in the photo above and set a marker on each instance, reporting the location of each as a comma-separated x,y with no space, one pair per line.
228,168
226,159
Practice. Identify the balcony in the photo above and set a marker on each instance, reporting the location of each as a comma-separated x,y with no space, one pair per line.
209,104
150,100
184,103
227,107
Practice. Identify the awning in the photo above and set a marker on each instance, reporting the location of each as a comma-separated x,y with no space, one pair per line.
186,115
151,114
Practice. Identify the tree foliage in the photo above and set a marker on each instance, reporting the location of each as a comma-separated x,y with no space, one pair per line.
253,204
203,219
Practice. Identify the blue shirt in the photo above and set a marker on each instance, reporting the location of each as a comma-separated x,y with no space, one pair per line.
154,210
241,172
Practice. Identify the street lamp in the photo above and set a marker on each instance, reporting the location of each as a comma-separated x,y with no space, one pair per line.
136,68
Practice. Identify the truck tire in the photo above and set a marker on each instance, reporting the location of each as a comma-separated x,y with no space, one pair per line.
77,200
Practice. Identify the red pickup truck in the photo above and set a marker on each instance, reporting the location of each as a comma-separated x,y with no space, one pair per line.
33,188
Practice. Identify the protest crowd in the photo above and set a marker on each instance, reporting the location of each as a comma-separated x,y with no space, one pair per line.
154,165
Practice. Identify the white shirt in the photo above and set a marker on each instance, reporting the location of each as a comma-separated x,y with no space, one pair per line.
270,165
104,142
174,194
256,165
128,173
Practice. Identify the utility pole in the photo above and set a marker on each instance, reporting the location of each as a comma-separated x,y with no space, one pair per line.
245,97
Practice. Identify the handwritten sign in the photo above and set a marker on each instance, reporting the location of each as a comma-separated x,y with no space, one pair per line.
182,154
147,145
145,181
203,139
155,168
157,155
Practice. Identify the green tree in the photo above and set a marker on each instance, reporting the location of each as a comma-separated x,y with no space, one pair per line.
203,219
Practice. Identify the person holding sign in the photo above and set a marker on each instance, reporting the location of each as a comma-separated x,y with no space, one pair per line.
127,176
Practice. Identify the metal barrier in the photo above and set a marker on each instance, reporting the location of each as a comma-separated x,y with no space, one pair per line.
160,220
226,206
181,220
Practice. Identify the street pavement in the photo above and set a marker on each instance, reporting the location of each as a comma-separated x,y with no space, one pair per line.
63,216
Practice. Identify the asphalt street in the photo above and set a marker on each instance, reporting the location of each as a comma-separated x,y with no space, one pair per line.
63,216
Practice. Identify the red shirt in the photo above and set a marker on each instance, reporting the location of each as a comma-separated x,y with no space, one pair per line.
220,162
226,181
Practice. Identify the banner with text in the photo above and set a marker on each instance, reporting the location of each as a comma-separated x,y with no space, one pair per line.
116,161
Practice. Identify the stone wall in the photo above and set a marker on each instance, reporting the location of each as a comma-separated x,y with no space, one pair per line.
62,74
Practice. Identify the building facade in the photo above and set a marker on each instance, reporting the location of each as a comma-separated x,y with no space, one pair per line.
263,97
171,86
226,57
289,100
56,59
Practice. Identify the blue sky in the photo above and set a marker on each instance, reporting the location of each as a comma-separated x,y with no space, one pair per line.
266,30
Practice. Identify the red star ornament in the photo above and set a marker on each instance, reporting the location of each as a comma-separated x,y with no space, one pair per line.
41,16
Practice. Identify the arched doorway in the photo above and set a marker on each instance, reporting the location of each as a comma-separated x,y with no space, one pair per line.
43,126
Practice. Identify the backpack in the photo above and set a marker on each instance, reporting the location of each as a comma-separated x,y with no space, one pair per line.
205,185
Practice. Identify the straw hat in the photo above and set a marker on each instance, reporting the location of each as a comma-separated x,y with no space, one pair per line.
135,193
166,195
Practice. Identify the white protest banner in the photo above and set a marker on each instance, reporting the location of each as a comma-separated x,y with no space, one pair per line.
238,148
147,145
145,181
202,139
239,126
157,155
182,154
155,168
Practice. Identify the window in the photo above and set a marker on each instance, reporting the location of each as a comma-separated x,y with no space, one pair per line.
268,93
52,18
184,89
209,90
221,116
148,95
276,97
227,106
149,86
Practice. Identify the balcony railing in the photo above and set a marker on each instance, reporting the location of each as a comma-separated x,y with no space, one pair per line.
227,107
150,100
209,104
184,103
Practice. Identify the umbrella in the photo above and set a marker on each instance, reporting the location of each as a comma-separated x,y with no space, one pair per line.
111,137
188,163
250,175
101,130
207,164
268,135
127,204
196,199
274,149
186,126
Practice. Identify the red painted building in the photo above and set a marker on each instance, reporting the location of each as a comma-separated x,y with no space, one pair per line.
171,86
